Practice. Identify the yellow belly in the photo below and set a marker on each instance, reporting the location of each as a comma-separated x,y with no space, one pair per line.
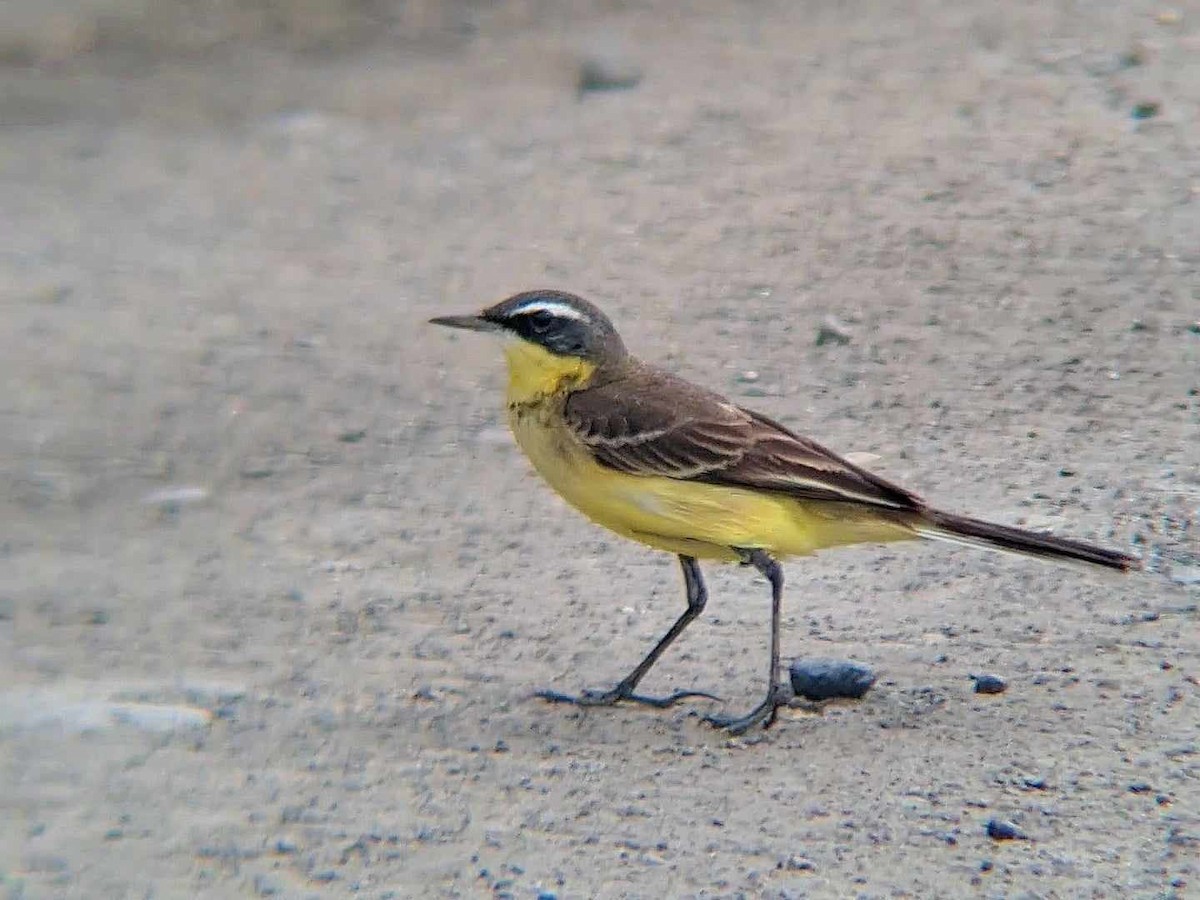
701,520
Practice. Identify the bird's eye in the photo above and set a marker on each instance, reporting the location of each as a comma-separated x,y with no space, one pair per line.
540,321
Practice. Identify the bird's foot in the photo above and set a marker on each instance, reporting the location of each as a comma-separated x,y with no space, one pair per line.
621,694
764,714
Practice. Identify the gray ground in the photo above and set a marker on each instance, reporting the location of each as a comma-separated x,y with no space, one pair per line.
305,669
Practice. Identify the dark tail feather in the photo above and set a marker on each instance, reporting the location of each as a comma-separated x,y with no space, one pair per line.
976,533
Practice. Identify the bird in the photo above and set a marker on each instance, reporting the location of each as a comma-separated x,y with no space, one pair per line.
682,469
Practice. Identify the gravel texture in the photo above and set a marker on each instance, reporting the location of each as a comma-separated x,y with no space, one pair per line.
278,587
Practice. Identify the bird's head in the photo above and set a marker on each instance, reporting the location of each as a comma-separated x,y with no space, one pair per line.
551,338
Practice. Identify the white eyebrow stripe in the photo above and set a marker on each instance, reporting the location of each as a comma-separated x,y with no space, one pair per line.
553,307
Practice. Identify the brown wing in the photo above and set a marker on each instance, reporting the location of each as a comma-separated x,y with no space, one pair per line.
652,423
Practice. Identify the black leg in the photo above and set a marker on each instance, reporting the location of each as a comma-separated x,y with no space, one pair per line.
697,596
777,694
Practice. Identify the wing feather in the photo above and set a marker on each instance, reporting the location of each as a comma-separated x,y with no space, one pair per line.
651,423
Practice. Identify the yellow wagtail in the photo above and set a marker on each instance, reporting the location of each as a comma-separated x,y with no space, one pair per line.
682,469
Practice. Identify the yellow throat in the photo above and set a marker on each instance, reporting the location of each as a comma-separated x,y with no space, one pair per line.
535,373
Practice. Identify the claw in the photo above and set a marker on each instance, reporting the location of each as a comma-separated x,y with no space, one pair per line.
764,714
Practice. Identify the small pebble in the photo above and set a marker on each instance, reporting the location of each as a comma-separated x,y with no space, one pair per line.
608,69
833,331
796,864
862,458
999,830
1185,575
824,679
989,684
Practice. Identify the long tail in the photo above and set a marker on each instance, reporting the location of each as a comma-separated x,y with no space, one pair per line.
944,526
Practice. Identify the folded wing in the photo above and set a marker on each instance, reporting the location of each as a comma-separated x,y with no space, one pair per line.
652,423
